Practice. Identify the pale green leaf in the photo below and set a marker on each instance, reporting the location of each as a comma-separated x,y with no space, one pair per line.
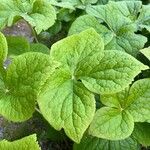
26,143
67,104
114,72
3,49
77,48
24,79
93,143
146,52
139,100
39,13
84,22
17,45
142,133
112,124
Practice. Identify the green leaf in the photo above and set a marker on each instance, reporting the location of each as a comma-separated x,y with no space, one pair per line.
77,48
67,104
146,52
3,49
64,96
39,13
27,143
112,124
144,18
24,79
93,143
17,45
86,21
135,99
139,100
114,72
39,47
142,133
62,101
120,17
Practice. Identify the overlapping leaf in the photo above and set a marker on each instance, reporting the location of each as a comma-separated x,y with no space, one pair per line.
21,82
39,13
122,19
134,102
65,102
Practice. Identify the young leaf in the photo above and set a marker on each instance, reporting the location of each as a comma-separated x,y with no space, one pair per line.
27,143
139,100
142,133
3,49
121,25
112,124
24,80
93,143
84,22
39,13
17,45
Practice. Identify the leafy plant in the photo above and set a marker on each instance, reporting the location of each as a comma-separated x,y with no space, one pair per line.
91,84
39,13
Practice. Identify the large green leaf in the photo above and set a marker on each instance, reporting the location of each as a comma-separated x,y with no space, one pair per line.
27,143
78,48
39,13
142,133
24,80
139,100
67,104
65,97
120,18
114,72
112,124
93,143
